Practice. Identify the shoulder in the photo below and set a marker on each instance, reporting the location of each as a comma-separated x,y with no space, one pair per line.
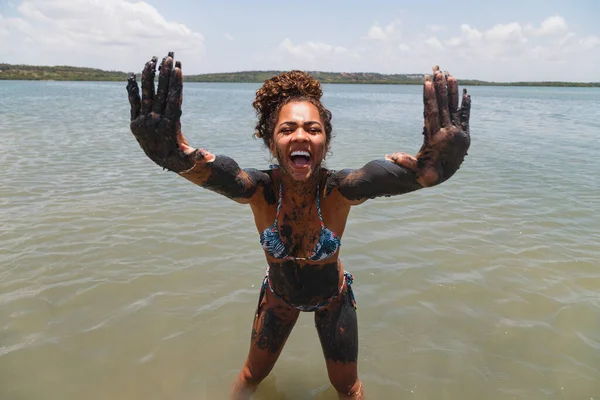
334,179
264,181
334,182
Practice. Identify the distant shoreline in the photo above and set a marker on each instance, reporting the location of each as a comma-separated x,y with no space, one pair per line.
68,73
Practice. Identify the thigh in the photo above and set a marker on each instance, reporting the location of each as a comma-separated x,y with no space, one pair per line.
272,326
337,327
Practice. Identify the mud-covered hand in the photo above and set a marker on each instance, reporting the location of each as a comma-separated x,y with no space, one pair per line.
446,131
155,118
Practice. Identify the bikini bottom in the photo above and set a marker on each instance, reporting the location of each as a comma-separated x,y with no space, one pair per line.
348,279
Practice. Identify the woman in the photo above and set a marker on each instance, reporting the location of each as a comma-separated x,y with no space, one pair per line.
299,207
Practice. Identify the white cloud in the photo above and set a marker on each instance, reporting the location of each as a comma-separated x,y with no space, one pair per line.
470,34
311,51
469,37
504,51
390,32
552,26
511,32
434,42
376,33
590,42
228,36
390,29
95,33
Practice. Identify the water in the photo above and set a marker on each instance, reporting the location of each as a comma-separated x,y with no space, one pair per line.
121,281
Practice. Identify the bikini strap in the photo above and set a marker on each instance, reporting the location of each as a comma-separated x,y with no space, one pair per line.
278,203
319,206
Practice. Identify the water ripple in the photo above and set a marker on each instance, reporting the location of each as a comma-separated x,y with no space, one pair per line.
113,269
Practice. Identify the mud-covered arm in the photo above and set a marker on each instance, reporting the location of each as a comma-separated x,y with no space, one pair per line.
376,179
446,141
224,176
156,125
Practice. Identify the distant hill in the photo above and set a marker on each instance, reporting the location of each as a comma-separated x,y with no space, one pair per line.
68,73
58,73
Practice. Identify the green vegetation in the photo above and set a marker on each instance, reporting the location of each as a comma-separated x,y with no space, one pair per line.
58,73
66,73
323,77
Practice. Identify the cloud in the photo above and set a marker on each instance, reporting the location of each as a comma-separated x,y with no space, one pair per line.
590,42
376,32
95,33
506,33
312,51
434,43
509,50
228,36
552,26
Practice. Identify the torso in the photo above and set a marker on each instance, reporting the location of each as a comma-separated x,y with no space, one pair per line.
303,282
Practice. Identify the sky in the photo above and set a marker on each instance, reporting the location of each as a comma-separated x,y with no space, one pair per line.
493,40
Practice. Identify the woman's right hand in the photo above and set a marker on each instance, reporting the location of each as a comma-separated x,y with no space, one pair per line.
155,120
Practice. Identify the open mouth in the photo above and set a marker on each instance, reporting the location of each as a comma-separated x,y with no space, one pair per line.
300,159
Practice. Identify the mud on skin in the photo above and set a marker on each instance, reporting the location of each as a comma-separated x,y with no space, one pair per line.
376,178
337,327
270,331
297,239
155,118
228,179
306,284
446,141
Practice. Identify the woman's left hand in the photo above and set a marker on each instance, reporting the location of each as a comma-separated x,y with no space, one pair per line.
446,131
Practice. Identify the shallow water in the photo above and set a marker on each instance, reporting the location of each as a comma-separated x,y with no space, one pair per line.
121,281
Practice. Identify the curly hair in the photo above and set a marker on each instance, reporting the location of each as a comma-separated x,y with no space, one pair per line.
279,91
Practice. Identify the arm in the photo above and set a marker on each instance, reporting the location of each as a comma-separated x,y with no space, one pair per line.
155,123
446,141
222,175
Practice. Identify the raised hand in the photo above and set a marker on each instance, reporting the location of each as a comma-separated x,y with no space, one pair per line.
155,119
446,131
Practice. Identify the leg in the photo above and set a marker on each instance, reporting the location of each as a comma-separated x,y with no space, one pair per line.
273,323
338,331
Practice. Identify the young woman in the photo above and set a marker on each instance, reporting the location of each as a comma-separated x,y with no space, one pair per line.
300,208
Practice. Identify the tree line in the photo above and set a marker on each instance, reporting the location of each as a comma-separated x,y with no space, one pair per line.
69,73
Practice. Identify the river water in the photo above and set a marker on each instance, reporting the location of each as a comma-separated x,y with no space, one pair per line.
121,281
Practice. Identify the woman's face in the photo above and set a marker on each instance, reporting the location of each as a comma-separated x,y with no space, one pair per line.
299,140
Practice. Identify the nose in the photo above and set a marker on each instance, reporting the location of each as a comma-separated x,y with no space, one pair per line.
300,135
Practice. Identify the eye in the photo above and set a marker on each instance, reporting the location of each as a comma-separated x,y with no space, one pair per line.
315,130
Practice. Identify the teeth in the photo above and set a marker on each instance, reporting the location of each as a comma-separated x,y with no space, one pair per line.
300,153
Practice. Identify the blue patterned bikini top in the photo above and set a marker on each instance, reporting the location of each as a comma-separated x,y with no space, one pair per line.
327,245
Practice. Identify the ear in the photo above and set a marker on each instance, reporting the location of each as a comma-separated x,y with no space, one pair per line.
272,149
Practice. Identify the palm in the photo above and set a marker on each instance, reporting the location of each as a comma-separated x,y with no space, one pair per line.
446,127
446,131
155,119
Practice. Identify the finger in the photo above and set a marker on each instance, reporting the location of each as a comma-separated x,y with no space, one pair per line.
133,92
441,91
174,97
431,112
163,84
452,98
148,86
465,111
403,159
